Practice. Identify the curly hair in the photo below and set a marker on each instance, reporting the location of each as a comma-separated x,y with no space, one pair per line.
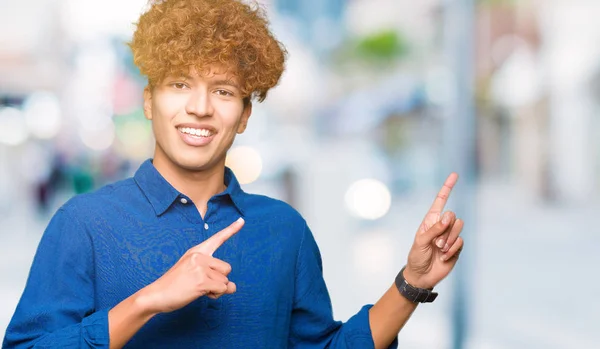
176,35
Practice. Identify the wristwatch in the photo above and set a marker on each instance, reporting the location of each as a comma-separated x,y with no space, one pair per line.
414,294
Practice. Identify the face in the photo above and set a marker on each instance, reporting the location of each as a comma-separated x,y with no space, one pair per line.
195,119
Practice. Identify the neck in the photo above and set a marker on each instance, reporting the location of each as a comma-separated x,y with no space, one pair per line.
199,186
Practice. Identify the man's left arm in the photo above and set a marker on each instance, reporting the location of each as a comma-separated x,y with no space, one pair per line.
432,257
312,324
392,311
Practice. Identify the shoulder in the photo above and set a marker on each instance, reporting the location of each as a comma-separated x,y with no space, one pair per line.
109,194
287,226
274,210
103,204
275,221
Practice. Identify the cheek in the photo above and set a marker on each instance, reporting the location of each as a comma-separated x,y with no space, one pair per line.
162,120
167,107
232,117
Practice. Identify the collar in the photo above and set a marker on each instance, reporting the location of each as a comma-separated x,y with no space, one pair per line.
233,190
161,194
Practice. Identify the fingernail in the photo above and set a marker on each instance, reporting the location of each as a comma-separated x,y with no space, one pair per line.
240,219
446,248
443,258
440,243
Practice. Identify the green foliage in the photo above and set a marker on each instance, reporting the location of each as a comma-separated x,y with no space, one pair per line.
384,45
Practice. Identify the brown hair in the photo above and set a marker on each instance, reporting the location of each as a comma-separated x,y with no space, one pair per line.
176,35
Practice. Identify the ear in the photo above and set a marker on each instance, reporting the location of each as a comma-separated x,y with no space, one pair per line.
148,103
245,116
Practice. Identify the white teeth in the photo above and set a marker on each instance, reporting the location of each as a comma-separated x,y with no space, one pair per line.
195,132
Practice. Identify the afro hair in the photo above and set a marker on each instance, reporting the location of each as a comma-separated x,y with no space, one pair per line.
174,36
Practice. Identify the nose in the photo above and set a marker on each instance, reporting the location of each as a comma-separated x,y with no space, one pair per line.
199,104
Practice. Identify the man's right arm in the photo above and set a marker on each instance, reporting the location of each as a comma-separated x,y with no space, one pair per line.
56,309
57,306
127,318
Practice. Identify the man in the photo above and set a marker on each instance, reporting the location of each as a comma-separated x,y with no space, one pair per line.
179,256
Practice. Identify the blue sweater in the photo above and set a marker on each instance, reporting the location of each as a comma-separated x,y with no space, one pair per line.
102,247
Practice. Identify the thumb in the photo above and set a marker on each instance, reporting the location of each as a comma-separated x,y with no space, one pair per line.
428,236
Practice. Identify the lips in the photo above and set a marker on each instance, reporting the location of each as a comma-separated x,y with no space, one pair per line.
196,135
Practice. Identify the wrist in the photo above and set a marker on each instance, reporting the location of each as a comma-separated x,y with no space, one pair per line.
144,303
414,279
413,293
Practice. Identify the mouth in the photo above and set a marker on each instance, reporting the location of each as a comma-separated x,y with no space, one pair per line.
197,136
196,132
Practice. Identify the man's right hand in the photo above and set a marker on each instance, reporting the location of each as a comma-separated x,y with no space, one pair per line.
196,274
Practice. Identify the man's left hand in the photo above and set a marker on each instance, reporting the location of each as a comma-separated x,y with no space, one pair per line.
437,243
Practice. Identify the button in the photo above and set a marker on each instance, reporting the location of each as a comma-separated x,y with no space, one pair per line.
183,201
206,226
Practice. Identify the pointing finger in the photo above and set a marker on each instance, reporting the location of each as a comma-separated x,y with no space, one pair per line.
209,246
442,197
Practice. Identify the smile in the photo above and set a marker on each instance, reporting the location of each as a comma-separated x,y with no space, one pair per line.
194,132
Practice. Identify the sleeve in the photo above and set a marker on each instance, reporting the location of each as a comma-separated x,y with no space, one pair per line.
312,324
56,309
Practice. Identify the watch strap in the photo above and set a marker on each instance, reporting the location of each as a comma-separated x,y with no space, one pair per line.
414,294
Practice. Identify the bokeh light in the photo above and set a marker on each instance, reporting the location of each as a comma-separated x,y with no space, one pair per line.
134,135
13,129
43,115
368,199
245,162
100,139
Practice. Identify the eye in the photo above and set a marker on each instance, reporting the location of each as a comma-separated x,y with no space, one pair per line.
221,92
179,85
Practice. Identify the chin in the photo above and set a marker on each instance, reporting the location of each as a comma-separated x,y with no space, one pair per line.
193,160
194,163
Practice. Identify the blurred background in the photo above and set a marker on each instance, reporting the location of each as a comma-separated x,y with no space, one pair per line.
380,101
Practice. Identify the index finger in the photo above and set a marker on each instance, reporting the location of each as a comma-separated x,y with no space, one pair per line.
442,197
210,245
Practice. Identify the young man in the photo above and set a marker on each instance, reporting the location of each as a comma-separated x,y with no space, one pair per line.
179,256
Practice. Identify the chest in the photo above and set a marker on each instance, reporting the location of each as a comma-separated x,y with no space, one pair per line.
129,257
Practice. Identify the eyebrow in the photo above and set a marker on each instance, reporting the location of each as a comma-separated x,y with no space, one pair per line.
226,82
